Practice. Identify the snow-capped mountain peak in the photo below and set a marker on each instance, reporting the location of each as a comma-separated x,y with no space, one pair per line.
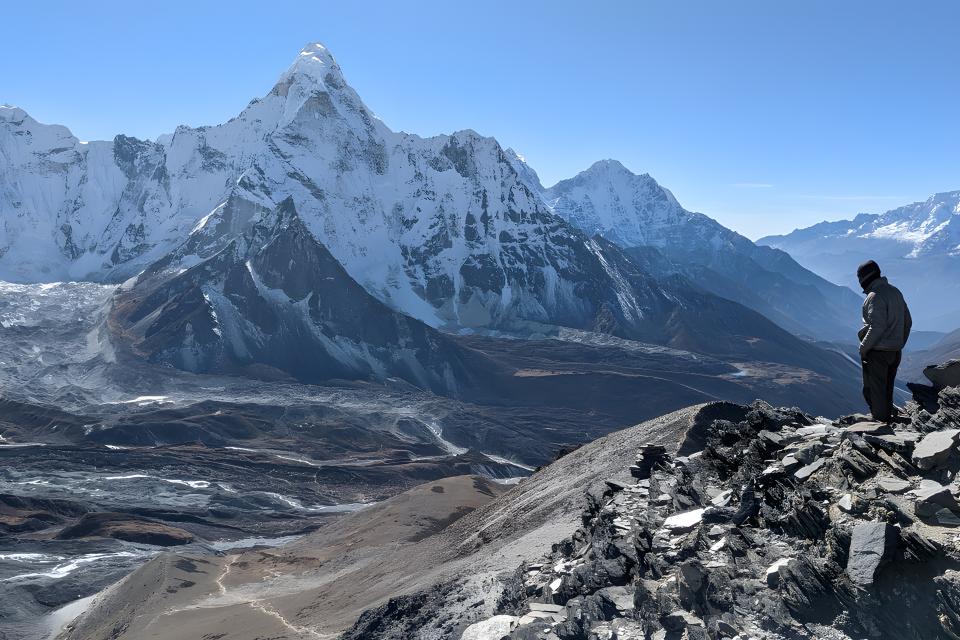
9,112
527,173
607,198
452,229
314,60
443,228
927,228
637,213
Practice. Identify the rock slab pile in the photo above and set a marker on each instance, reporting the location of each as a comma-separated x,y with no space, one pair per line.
784,526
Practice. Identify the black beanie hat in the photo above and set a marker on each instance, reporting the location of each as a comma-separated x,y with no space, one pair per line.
867,272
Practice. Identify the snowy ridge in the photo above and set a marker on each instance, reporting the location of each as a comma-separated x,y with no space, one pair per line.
442,228
927,228
646,220
452,230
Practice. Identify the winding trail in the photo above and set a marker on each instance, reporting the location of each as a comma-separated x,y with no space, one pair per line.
260,606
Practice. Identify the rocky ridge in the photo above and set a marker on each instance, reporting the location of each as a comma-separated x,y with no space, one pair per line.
768,524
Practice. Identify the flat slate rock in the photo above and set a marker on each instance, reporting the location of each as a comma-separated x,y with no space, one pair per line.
935,448
490,629
873,428
893,485
547,607
684,521
871,545
901,441
807,471
790,462
814,431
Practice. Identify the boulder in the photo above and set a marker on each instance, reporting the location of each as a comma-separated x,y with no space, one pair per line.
946,518
900,442
931,497
679,620
726,630
790,462
773,572
946,374
493,628
846,502
935,448
692,583
621,597
809,452
871,544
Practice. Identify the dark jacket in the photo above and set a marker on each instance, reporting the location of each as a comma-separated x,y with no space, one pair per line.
886,318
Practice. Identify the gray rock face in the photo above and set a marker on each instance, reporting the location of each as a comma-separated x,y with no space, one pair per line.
274,298
935,448
870,546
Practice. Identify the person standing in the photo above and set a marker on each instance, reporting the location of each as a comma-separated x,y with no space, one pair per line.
886,328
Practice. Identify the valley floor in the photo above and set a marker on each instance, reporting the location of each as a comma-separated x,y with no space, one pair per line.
106,460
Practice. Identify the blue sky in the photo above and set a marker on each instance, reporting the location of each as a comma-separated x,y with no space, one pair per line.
765,115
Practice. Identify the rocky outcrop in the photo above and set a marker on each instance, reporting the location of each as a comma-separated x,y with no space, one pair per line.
944,375
781,526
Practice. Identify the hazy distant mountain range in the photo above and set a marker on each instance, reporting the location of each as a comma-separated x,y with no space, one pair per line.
917,245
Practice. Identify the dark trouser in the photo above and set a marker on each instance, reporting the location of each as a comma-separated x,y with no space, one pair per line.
879,372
